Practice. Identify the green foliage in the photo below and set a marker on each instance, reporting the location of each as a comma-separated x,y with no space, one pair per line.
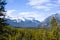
11,33
2,13
54,24
3,35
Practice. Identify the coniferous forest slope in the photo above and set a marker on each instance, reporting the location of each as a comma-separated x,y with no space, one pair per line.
11,33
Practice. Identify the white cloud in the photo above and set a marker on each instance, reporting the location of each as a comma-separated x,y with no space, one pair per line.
58,1
58,12
35,2
38,4
31,15
10,12
46,5
46,8
25,15
22,15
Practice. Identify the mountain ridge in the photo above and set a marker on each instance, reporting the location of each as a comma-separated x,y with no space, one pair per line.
23,23
31,22
46,22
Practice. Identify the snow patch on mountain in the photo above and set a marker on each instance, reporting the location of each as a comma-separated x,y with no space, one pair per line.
23,22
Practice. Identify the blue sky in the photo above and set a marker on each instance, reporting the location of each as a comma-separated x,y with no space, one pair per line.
32,9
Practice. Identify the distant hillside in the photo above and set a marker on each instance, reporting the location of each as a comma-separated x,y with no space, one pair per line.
46,22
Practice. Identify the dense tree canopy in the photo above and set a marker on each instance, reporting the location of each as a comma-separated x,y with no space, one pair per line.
2,13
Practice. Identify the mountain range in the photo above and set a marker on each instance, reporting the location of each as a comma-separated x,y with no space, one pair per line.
28,23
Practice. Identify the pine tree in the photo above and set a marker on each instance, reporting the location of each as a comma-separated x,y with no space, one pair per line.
2,14
54,28
54,24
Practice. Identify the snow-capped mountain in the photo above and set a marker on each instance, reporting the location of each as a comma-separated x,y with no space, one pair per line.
23,22
46,22
31,22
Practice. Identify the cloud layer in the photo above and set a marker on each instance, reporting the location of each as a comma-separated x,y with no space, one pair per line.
44,4
10,13
25,15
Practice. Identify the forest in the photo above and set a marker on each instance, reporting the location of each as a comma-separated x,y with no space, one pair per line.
52,33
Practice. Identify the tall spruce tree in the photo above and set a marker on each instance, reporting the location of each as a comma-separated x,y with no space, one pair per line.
2,14
54,24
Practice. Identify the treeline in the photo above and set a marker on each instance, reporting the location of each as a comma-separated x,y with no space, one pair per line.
52,33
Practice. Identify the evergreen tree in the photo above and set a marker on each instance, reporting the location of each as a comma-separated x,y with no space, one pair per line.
54,24
54,28
2,14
